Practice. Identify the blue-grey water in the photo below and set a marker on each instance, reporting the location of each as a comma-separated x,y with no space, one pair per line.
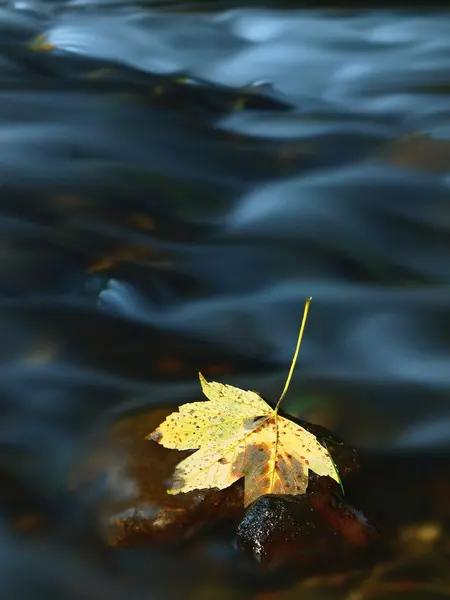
175,183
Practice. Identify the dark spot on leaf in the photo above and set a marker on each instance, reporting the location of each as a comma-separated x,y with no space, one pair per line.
223,461
256,460
251,422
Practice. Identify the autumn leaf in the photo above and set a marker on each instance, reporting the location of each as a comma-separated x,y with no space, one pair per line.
41,44
237,434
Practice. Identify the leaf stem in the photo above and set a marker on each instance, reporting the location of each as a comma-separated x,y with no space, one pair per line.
297,349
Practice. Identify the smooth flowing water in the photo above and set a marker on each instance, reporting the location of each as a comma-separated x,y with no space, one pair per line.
174,184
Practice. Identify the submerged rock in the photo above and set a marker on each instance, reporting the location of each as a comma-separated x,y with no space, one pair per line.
132,474
292,536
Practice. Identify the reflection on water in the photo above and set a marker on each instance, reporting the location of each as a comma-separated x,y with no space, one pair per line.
173,186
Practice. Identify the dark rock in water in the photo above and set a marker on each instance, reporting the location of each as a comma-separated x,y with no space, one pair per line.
133,473
135,508
313,532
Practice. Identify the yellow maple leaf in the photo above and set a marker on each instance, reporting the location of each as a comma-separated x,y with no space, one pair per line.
237,434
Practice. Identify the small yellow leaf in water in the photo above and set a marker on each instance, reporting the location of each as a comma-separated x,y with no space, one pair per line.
41,44
237,434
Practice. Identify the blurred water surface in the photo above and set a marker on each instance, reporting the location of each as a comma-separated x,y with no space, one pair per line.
174,184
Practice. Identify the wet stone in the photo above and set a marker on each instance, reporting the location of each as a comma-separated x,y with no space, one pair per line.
316,531
133,473
134,509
